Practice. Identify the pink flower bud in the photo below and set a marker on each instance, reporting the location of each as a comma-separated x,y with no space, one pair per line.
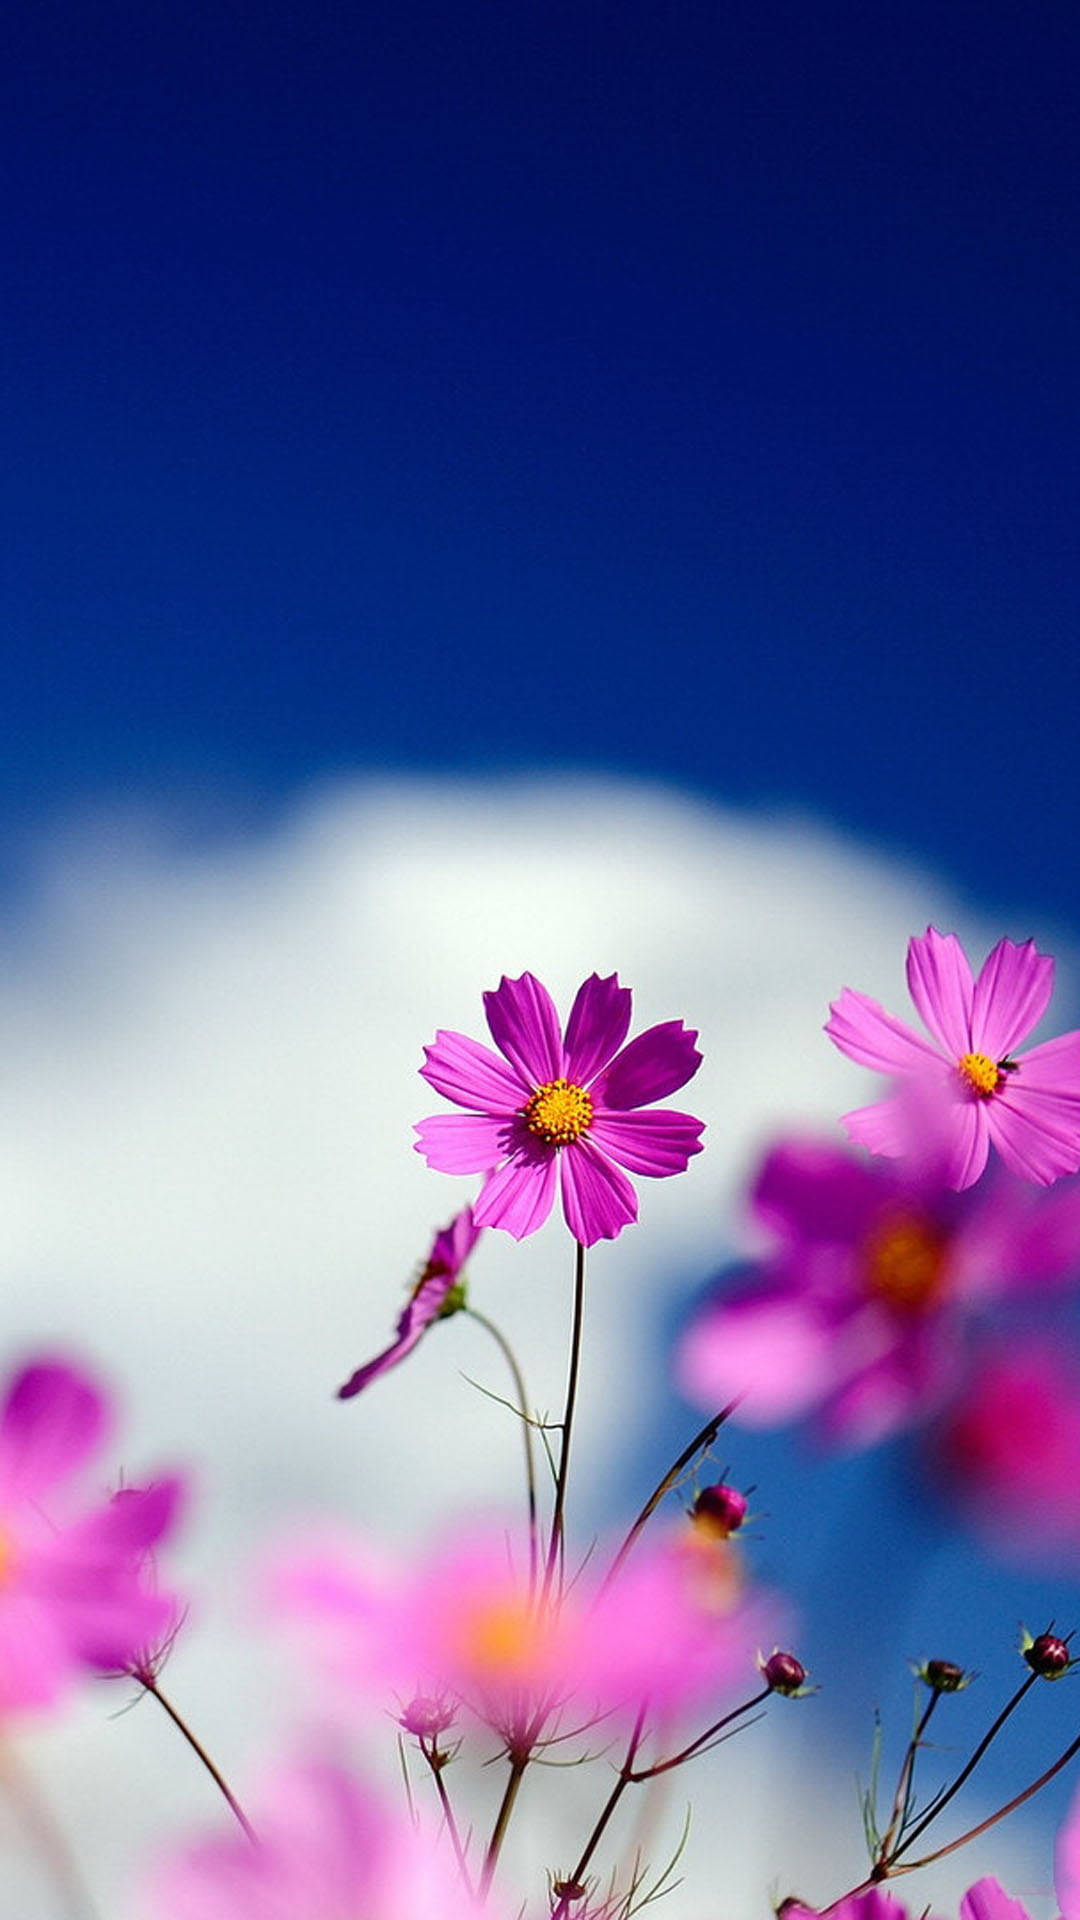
720,1509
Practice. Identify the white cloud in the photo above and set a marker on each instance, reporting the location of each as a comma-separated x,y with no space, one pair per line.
207,1186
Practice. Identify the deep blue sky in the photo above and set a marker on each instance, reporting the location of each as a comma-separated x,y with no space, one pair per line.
684,389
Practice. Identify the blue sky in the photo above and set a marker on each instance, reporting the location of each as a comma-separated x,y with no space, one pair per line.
685,390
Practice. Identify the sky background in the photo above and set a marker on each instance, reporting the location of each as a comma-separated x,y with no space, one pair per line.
565,485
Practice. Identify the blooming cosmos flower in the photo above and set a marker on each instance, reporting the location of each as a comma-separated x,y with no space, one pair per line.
560,1107
325,1849
428,1301
73,1591
1009,1447
986,1900
855,1311
968,1075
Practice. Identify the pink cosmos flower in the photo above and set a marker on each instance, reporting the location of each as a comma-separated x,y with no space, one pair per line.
73,1588
968,1073
986,1900
1009,1447
1067,1863
560,1108
325,1847
858,1311
426,1303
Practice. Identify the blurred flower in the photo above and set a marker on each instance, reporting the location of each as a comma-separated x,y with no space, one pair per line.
1027,1104
986,1900
73,1591
1067,1863
856,1311
325,1847
1009,1446
429,1300
560,1108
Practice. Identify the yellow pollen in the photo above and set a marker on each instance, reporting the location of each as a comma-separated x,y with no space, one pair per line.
558,1112
501,1638
981,1073
904,1262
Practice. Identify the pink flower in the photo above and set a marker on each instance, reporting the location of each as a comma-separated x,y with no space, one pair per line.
986,1900
560,1107
1009,1447
427,1302
1067,1863
324,1847
968,1074
858,1310
73,1592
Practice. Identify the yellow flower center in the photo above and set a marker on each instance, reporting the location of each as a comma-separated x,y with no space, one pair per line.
981,1073
558,1112
904,1262
500,1638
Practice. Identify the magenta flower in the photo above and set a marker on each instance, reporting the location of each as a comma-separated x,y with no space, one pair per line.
968,1076
1067,1863
73,1586
560,1108
1009,1448
858,1311
325,1847
986,1900
428,1300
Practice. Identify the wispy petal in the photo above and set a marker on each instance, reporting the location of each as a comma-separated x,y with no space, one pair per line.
525,1027
658,1062
772,1352
519,1196
598,1199
1011,995
873,1038
940,983
471,1075
598,1025
881,1128
657,1142
462,1142
53,1420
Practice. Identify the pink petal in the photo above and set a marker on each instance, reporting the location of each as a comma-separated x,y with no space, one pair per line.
597,1026
881,1128
463,1142
53,1421
1036,1136
772,1353
35,1660
1053,1067
987,1900
940,983
809,1189
519,1196
452,1245
657,1063
471,1075
1067,1863
873,1038
390,1357
598,1199
1011,995
969,1144
525,1027
655,1143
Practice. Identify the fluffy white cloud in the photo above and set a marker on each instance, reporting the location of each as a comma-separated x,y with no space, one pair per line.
207,1186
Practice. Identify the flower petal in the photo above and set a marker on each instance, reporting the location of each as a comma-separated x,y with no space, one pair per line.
1011,995
657,1063
1037,1135
873,1038
597,1027
471,1075
525,1027
656,1143
519,1196
53,1420
771,1352
807,1189
939,981
987,1899
463,1142
1053,1068
881,1128
598,1199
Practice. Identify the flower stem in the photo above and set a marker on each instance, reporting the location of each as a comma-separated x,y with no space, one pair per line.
510,1357
436,1761
695,1746
902,1798
518,1764
555,1543
624,1778
700,1443
965,1772
992,1819
150,1684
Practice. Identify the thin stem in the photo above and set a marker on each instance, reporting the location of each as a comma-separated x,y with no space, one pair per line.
555,1543
624,1779
49,1837
151,1686
700,1443
993,1818
510,1357
518,1764
902,1798
436,1761
965,1773
695,1746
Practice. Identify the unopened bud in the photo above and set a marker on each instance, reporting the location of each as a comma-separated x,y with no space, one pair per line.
1048,1656
783,1673
944,1676
721,1509
426,1717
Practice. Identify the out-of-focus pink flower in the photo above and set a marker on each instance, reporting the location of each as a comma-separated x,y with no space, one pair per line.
859,1310
986,1900
1067,1863
673,1628
325,1847
73,1591
1009,1446
560,1108
428,1300
981,1090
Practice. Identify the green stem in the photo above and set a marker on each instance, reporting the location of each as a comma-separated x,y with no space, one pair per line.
510,1357
965,1773
518,1764
555,1543
902,1798
695,1746
700,1443
625,1777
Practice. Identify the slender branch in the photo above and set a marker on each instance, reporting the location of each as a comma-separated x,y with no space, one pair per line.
510,1357
700,1443
555,1543
149,1682
624,1778
695,1746
901,1805
992,1819
518,1764
49,1837
436,1761
965,1773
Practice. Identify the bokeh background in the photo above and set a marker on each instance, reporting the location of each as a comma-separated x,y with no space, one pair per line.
561,486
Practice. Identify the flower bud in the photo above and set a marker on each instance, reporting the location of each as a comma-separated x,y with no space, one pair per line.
426,1717
944,1676
720,1509
1048,1656
782,1673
